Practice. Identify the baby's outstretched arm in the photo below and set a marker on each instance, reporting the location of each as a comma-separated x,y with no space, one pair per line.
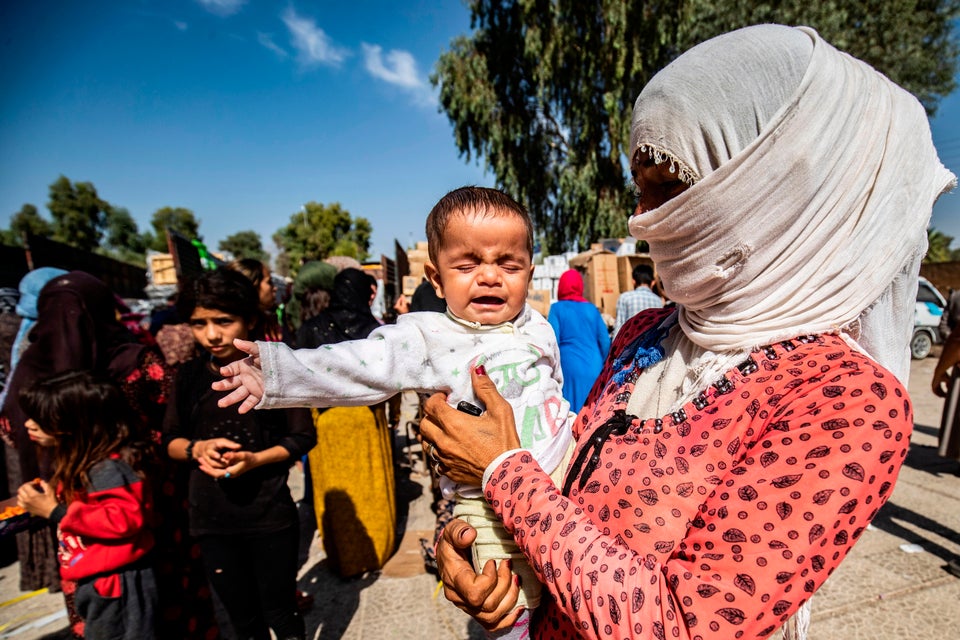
244,377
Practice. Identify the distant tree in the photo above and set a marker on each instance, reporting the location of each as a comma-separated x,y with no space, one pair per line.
179,219
78,213
543,91
25,221
122,238
245,244
282,265
319,231
122,231
938,249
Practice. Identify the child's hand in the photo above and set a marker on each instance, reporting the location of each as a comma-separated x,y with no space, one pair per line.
244,377
211,455
38,501
239,462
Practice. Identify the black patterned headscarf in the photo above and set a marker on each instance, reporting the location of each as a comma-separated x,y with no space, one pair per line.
348,317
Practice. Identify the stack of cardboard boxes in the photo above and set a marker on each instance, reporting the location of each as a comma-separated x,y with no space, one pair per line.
416,258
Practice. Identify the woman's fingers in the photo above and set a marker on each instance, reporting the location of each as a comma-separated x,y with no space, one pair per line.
500,609
465,444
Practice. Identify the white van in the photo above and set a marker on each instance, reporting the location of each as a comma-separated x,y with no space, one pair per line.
926,320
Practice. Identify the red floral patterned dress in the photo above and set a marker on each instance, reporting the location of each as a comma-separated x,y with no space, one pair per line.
719,520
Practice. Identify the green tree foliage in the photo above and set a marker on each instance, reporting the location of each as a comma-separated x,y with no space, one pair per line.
543,90
122,238
178,219
319,231
938,249
245,244
911,41
23,222
78,213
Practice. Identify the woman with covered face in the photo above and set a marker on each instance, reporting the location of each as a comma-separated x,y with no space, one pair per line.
735,447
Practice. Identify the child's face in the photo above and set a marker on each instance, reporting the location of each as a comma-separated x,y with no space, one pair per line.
215,330
268,292
483,267
38,435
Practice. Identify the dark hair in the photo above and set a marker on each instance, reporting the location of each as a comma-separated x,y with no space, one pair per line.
492,202
224,290
314,301
643,274
251,268
90,420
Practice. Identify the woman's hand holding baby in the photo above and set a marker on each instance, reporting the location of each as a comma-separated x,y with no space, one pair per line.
244,378
489,596
464,445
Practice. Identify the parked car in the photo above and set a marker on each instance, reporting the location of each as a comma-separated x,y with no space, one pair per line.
926,322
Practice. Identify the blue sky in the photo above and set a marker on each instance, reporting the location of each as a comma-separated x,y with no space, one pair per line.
243,110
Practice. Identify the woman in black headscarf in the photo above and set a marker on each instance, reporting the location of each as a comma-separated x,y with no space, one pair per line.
77,329
348,317
352,465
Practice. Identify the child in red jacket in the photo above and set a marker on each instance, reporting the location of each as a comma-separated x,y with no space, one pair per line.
102,506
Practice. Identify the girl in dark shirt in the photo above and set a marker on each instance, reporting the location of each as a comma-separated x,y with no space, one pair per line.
240,509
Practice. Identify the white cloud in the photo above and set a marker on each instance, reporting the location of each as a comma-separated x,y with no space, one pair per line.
398,68
222,7
181,26
313,45
266,39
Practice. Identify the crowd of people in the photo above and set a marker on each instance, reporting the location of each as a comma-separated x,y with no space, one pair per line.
116,444
700,475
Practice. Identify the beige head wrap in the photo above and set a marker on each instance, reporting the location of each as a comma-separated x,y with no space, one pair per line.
813,181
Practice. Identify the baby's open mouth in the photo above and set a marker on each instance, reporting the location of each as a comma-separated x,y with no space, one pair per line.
488,300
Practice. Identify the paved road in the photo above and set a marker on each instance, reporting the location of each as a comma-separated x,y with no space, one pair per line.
894,584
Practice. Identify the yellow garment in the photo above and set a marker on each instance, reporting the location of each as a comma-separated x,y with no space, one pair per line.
353,488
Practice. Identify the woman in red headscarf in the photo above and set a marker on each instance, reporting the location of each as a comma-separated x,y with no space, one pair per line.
583,338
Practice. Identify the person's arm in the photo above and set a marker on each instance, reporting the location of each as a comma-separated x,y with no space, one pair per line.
300,437
472,442
948,359
554,320
113,508
603,336
352,373
179,440
621,314
776,521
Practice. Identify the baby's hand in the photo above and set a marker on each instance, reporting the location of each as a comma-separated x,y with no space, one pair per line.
244,377
37,498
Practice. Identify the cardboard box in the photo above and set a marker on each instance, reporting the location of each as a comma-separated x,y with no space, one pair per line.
418,255
539,299
601,280
410,284
162,269
416,270
625,265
